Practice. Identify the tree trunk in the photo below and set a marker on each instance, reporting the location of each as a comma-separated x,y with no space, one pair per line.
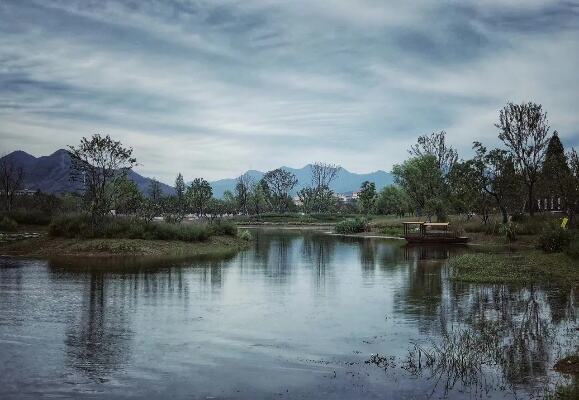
531,201
504,214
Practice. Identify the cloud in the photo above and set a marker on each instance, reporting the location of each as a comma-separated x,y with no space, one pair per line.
211,88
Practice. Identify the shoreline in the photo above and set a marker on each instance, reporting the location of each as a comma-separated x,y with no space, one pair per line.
44,246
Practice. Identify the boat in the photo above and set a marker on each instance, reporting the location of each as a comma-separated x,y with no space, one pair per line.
432,232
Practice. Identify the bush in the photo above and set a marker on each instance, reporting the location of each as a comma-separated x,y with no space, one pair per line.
509,231
29,217
555,239
245,235
573,249
7,224
223,228
349,226
79,226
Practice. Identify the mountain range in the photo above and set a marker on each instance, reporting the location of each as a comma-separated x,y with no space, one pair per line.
50,174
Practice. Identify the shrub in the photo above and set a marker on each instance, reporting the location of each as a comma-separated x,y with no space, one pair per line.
509,230
555,239
79,226
29,217
245,235
573,249
7,224
223,228
349,226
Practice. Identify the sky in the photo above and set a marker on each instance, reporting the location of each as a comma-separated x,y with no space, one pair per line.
211,88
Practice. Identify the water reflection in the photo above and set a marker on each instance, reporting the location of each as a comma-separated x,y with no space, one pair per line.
299,311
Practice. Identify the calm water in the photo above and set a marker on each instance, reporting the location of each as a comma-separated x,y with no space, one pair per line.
298,315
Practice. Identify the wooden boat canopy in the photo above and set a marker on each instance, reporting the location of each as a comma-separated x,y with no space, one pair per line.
431,232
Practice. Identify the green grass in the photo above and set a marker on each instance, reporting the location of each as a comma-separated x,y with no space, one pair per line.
523,267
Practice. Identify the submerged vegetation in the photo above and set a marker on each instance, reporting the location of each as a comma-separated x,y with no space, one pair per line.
519,268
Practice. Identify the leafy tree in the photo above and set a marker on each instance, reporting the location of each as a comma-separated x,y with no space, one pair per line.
392,200
199,194
229,203
423,182
367,197
11,178
319,200
279,185
435,145
155,192
127,197
243,192
258,199
498,178
466,189
99,164
524,129
180,188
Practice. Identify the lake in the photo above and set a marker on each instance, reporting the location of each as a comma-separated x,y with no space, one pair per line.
299,315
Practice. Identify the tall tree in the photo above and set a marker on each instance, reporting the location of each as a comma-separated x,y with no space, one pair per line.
392,200
155,192
556,179
498,177
423,182
435,145
367,197
199,195
279,184
180,187
99,163
243,192
11,178
524,129
323,174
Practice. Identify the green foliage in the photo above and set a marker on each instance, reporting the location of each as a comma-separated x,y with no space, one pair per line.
350,226
245,235
79,226
223,228
26,216
392,200
573,249
509,231
521,268
279,183
317,199
367,197
423,181
155,192
554,239
199,193
98,164
7,224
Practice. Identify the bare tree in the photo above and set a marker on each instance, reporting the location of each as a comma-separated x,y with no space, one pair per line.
11,178
100,163
524,129
435,145
323,174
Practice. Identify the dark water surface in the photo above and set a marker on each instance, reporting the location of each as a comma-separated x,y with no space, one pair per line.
298,315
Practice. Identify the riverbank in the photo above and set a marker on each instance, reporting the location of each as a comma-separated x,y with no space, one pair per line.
45,246
523,267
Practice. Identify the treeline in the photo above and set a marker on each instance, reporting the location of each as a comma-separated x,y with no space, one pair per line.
531,172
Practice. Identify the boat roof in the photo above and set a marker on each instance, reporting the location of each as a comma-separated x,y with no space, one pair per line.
427,223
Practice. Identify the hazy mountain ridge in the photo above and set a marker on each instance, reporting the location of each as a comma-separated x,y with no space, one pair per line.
51,174
346,182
